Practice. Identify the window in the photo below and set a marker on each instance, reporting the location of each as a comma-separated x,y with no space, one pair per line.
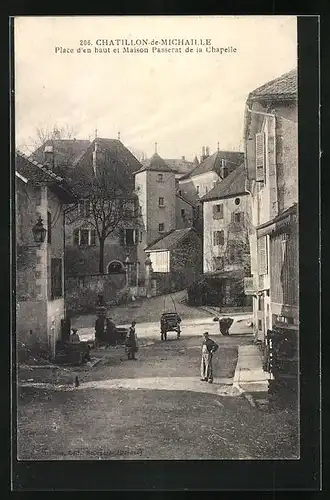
141,237
160,202
180,192
260,157
182,212
218,238
160,177
49,227
84,208
238,217
56,279
218,263
214,183
218,211
84,237
161,227
93,237
197,189
129,236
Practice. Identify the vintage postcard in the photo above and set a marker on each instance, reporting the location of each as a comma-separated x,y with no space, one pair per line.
156,202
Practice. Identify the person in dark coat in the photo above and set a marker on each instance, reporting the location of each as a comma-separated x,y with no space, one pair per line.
131,342
208,349
110,332
224,325
99,329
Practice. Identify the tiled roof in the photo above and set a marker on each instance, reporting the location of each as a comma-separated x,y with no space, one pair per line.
119,152
66,151
37,173
232,185
170,240
180,166
191,197
283,87
33,170
214,162
155,163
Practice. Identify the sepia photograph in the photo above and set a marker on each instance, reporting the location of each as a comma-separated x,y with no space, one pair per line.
155,168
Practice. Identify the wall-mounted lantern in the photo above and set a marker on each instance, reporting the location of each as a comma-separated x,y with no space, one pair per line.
39,232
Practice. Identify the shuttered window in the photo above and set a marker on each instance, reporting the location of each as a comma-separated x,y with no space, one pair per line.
129,237
93,237
76,237
218,211
49,227
260,157
262,255
218,238
56,278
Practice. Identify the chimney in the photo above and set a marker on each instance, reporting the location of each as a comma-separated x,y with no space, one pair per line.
49,156
183,158
223,169
207,149
196,162
203,154
118,136
95,152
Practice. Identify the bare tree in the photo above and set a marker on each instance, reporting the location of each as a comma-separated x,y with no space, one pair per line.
138,153
108,201
43,135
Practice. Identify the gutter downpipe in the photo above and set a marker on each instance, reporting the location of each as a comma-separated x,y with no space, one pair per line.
270,115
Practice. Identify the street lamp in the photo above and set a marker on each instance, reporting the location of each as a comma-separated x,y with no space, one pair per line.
39,232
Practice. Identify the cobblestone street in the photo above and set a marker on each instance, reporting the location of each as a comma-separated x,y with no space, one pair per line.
153,408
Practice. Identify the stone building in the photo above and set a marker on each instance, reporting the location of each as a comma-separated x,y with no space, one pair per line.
227,220
39,266
176,259
82,163
156,190
209,171
271,142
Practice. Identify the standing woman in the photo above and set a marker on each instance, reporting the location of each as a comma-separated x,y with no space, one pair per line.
131,342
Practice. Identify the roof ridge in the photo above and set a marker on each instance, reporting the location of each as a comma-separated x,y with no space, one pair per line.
39,165
274,80
224,184
159,238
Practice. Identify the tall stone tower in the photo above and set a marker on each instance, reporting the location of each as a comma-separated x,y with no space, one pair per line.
155,187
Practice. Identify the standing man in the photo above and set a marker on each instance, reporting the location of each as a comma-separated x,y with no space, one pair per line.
208,348
131,342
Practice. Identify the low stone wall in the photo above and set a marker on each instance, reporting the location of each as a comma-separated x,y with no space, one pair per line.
82,292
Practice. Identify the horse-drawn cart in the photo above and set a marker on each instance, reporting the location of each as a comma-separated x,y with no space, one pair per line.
170,322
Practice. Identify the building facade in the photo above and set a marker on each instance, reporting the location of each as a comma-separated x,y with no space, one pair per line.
209,171
271,139
176,259
39,267
226,249
156,190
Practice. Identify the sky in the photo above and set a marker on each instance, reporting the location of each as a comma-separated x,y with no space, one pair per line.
182,101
